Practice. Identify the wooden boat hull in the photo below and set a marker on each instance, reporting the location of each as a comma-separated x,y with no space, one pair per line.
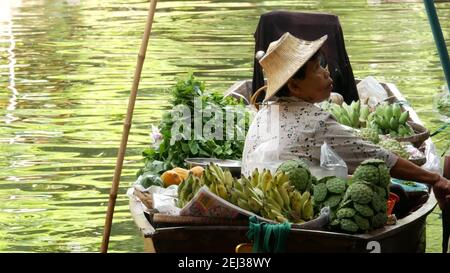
407,235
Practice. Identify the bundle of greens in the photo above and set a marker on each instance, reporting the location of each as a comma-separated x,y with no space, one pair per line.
174,149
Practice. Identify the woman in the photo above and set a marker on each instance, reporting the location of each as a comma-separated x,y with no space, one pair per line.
291,126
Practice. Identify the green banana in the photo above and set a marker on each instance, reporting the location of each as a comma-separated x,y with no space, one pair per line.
243,204
307,210
228,179
285,196
388,112
255,178
393,123
346,121
266,181
222,191
273,204
403,117
305,196
276,196
385,123
355,119
363,115
283,178
254,204
397,111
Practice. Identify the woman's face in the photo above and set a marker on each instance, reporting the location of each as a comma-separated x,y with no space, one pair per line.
316,86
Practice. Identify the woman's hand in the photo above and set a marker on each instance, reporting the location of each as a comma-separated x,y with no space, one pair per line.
441,189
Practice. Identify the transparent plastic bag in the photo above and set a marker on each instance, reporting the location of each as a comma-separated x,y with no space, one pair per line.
433,163
265,156
149,179
370,91
331,164
413,152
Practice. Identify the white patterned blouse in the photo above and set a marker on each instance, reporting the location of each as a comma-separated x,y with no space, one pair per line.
290,128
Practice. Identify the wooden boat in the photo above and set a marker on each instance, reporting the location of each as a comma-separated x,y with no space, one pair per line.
172,234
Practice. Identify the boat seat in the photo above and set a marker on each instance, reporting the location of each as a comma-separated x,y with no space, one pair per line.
308,26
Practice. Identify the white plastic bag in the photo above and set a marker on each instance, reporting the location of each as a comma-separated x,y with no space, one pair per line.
164,199
265,156
331,164
433,163
370,91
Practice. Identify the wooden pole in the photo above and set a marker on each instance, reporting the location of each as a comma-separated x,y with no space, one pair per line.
126,128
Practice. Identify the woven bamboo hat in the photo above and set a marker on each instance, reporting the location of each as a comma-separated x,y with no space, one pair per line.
284,57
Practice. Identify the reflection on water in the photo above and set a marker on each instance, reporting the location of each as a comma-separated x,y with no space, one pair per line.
66,68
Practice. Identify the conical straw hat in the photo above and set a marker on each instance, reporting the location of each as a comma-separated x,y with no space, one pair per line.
284,57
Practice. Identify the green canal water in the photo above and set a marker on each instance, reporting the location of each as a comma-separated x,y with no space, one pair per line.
66,69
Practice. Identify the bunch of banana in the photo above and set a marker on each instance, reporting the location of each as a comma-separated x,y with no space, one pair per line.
353,115
276,197
302,207
246,196
389,119
187,189
219,182
278,191
272,197
263,180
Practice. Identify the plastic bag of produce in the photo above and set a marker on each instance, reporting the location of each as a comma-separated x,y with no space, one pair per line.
331,163
163,199
265,156
149,179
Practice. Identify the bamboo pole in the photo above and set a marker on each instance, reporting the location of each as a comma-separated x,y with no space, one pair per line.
126,128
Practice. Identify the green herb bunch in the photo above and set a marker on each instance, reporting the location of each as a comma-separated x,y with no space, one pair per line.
172,153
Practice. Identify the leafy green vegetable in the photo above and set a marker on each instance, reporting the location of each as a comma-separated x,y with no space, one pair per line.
172,154
149,179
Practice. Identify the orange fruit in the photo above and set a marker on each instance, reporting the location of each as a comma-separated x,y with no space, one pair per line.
171,178
197,171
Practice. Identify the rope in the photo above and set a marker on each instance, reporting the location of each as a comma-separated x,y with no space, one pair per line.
263,234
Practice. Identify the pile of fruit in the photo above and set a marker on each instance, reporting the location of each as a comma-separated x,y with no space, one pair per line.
389,119
329,192
356,205
272,196
353,115
364,203
386,119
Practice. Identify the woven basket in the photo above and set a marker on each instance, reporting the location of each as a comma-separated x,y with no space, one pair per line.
421,135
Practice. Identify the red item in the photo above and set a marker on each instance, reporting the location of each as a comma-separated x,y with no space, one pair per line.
393,198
